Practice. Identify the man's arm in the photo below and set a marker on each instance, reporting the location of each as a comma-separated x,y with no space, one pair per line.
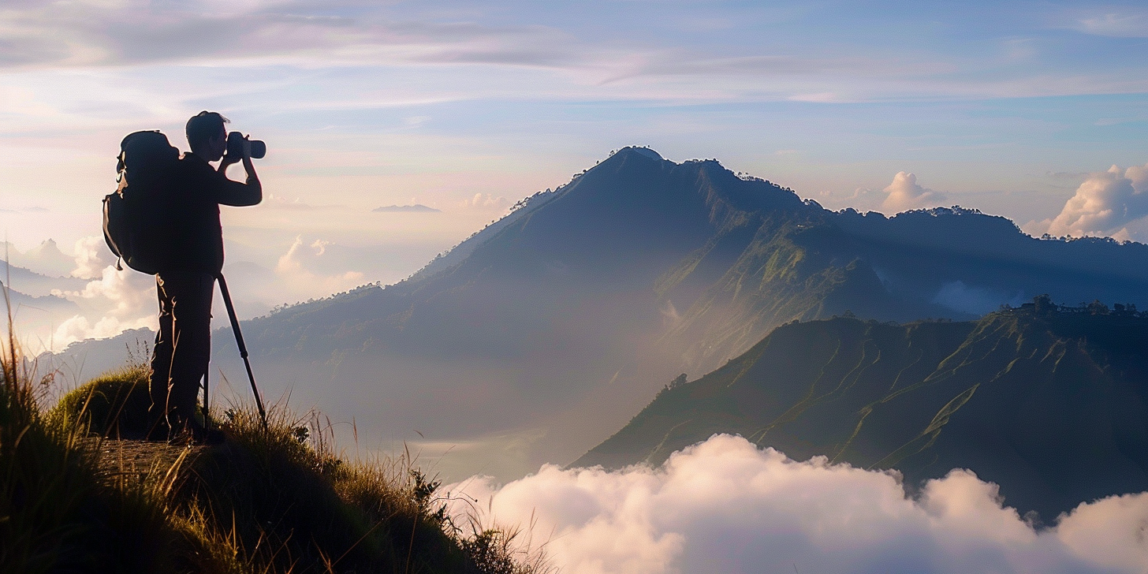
240,194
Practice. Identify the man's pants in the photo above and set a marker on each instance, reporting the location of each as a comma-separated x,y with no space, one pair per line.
182,347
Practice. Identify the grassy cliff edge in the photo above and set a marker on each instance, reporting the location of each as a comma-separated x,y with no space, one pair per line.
268,501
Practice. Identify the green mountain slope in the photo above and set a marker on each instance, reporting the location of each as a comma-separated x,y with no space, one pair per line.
1051,405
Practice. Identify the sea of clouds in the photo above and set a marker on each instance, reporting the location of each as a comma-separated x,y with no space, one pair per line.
726,506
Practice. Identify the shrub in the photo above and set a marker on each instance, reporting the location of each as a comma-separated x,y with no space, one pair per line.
114,404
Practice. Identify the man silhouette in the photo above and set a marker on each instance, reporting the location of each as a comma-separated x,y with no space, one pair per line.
186,282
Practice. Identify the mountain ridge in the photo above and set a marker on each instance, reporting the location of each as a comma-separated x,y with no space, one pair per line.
1051,404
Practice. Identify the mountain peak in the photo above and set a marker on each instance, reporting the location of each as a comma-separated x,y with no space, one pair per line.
647,152
637,151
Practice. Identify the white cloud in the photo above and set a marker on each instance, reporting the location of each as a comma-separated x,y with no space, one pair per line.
904,193
127,291
1110,532
115,301
1104,203
79,328
485,201
725,506
92,257
294,270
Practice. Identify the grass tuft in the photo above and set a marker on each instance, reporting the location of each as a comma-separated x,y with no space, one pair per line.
112,405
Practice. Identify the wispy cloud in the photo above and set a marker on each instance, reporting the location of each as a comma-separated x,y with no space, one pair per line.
42,33
296,273
1121,25
486,202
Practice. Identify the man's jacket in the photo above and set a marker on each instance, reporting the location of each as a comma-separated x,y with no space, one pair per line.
196,232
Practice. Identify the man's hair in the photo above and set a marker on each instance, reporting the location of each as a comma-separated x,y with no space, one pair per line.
204,126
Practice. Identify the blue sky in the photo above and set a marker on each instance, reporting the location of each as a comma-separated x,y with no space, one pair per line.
1014,108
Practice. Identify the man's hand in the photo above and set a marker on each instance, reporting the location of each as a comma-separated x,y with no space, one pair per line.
252,178
228,160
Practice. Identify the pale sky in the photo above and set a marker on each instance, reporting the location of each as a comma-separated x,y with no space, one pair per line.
1012,108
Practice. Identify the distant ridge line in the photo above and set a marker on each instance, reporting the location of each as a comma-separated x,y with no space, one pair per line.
416,208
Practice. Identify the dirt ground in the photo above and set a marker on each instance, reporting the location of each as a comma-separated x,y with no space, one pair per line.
140,458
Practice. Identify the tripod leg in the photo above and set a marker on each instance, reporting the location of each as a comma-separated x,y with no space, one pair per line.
206,400
242,347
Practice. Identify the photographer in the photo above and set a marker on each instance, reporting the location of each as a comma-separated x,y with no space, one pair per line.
186,282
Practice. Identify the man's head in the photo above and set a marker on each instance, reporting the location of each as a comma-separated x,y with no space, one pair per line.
207,136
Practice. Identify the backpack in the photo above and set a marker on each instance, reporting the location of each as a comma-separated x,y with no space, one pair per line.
137,215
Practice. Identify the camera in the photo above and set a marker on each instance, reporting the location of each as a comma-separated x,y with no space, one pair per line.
235,146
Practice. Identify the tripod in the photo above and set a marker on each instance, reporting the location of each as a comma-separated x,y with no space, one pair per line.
242,353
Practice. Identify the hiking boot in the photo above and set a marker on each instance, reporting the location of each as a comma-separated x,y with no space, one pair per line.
158,431
195,434
206,436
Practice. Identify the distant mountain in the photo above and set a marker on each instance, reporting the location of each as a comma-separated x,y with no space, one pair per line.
584,300
36,310
83,360
37,284
417,208
46,258
1051,405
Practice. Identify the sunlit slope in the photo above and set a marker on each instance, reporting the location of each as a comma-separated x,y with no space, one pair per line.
1052,406
585,264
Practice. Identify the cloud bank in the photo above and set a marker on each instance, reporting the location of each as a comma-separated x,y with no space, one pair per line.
1104,203
726,506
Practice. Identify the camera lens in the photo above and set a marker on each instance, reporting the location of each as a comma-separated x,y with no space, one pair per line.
235,146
